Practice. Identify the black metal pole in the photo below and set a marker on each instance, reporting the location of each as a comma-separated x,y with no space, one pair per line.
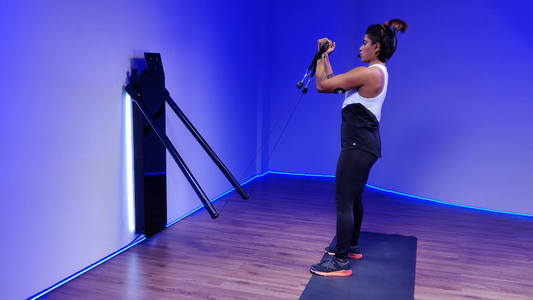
206,147
157,114
162,136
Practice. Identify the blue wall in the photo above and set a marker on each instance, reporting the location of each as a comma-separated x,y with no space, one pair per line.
64,196
215,72
456,122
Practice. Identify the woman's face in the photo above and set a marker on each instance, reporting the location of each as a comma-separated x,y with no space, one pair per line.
367,52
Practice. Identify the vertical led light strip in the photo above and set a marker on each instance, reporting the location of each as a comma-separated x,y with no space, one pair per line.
129,186
129,161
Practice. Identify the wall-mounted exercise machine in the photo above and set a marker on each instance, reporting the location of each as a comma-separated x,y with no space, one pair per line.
148,91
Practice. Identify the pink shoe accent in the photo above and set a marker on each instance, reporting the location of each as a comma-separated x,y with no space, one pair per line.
355,256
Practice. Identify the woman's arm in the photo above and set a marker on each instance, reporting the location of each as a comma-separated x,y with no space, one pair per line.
323,66
327,71
327,82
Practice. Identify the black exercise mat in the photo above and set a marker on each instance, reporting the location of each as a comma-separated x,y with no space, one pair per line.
386,271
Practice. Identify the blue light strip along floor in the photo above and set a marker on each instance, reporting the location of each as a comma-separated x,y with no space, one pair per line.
214,199
370,186
86,269
253,178
36,296
410,196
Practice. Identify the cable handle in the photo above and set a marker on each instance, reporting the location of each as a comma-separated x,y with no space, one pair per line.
324,47
312,68
319,52
301,82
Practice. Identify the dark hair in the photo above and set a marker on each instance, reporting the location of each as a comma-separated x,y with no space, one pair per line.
386,37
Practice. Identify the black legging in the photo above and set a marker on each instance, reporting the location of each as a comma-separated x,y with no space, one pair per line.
351,175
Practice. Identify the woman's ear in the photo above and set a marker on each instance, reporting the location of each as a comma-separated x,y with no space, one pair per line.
376,47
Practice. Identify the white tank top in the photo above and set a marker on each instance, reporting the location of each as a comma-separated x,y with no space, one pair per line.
372,104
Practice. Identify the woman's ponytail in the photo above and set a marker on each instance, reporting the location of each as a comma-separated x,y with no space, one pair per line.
397,25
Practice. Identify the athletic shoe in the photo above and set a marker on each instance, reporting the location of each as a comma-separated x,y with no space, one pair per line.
354,252
331,267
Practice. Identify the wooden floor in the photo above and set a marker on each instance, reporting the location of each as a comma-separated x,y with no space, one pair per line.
262,248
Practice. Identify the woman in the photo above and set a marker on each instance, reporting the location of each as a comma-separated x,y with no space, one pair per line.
365,89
